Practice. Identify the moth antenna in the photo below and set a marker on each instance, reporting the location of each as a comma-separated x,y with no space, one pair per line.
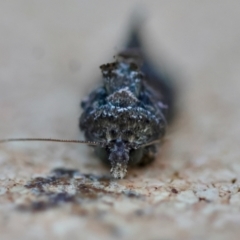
151,143
50,140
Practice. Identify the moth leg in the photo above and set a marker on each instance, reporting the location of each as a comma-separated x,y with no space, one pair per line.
149,155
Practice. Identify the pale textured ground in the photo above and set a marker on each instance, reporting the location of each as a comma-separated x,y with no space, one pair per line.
49,57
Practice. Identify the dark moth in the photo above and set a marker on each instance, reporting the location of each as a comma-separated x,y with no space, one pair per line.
128,114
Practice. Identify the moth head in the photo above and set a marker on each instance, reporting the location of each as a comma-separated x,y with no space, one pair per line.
120,154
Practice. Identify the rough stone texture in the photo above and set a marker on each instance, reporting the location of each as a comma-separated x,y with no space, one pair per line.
49,57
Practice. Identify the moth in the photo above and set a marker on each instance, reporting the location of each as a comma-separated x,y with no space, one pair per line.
126,117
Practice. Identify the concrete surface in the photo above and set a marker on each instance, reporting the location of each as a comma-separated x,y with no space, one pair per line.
49,57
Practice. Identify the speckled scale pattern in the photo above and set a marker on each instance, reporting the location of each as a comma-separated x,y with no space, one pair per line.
124,113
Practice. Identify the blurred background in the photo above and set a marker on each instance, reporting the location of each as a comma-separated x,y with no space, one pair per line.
50,53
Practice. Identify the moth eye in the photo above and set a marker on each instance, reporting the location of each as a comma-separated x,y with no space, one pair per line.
147,121
113,132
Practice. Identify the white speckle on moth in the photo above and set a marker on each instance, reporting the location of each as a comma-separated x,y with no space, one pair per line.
119,170
108,136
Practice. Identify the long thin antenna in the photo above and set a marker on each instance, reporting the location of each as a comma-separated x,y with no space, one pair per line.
49,140
150,143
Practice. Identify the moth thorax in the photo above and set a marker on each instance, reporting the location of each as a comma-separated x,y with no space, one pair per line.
123,98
